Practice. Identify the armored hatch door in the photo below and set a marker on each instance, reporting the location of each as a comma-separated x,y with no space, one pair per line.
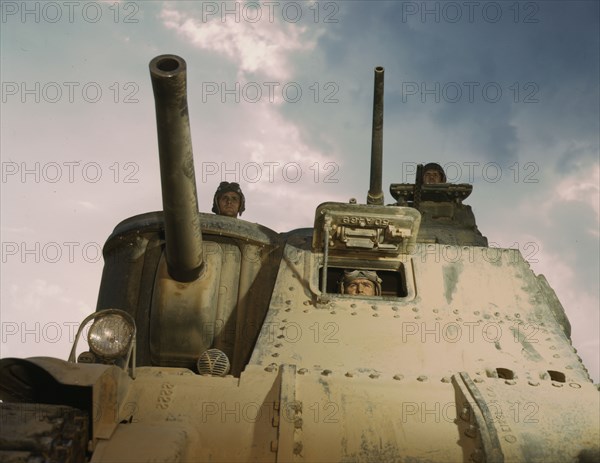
363,229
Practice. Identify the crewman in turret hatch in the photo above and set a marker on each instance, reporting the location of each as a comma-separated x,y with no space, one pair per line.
229,200
433,173
360,283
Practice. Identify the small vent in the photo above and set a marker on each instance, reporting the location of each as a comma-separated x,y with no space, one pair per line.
213,362
557,376
505,373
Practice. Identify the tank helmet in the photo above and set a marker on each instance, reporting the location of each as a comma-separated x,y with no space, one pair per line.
435,167
225,187
351,275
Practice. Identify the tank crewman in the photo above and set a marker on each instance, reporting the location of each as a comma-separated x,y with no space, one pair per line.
229,200
360,283
433,173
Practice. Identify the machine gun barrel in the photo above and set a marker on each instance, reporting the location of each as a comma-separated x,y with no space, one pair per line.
375,195
183,234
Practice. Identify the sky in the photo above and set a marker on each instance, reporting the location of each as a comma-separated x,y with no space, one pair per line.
503,94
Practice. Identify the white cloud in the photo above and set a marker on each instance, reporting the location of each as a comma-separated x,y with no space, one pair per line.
582,186
263,46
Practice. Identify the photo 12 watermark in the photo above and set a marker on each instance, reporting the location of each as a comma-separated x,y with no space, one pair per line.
51,252
470,92
469,12
269,171
69,172
270,11
470,171
271,92
69,92
69,12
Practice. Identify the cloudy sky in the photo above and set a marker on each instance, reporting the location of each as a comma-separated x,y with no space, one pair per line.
504,94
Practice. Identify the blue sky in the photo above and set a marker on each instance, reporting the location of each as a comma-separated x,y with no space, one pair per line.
505,94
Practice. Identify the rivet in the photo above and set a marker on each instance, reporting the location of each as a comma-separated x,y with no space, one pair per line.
301,371
278,344
510,382
298,423
496,314
396,316
422,378
568,367
476,312
374,307
398,377
332,312
326,372
349,374
510,438
533,383
415,309
353,306
445,379
271,367
376,315
288,302
276,354
284,320
455,311
471,431
306,302
374,375
394,308
288,309
306,311
465,413
353,313
478,380
556,356
291,288
477,456
555,384
281,336
435,310
575,385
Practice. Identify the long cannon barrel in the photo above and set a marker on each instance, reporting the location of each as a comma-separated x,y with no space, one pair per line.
375,195
183,234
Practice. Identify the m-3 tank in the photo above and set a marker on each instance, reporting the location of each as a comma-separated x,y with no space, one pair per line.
220,340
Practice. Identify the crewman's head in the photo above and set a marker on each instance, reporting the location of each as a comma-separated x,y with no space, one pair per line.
360,283
433,173
229,200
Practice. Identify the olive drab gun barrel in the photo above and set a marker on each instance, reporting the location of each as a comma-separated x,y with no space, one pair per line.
183,234
375,195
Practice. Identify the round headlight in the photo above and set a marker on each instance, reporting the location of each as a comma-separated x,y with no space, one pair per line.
110,336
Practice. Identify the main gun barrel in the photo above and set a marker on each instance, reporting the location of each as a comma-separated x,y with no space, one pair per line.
183,233
375,195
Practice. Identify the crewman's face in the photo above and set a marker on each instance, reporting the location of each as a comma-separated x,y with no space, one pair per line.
360,286
432,176
229,204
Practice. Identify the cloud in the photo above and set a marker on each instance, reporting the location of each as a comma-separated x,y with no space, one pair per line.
262,46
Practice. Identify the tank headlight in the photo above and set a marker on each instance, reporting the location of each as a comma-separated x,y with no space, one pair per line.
110,336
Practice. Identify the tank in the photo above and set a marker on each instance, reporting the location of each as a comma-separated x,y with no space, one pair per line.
216,339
